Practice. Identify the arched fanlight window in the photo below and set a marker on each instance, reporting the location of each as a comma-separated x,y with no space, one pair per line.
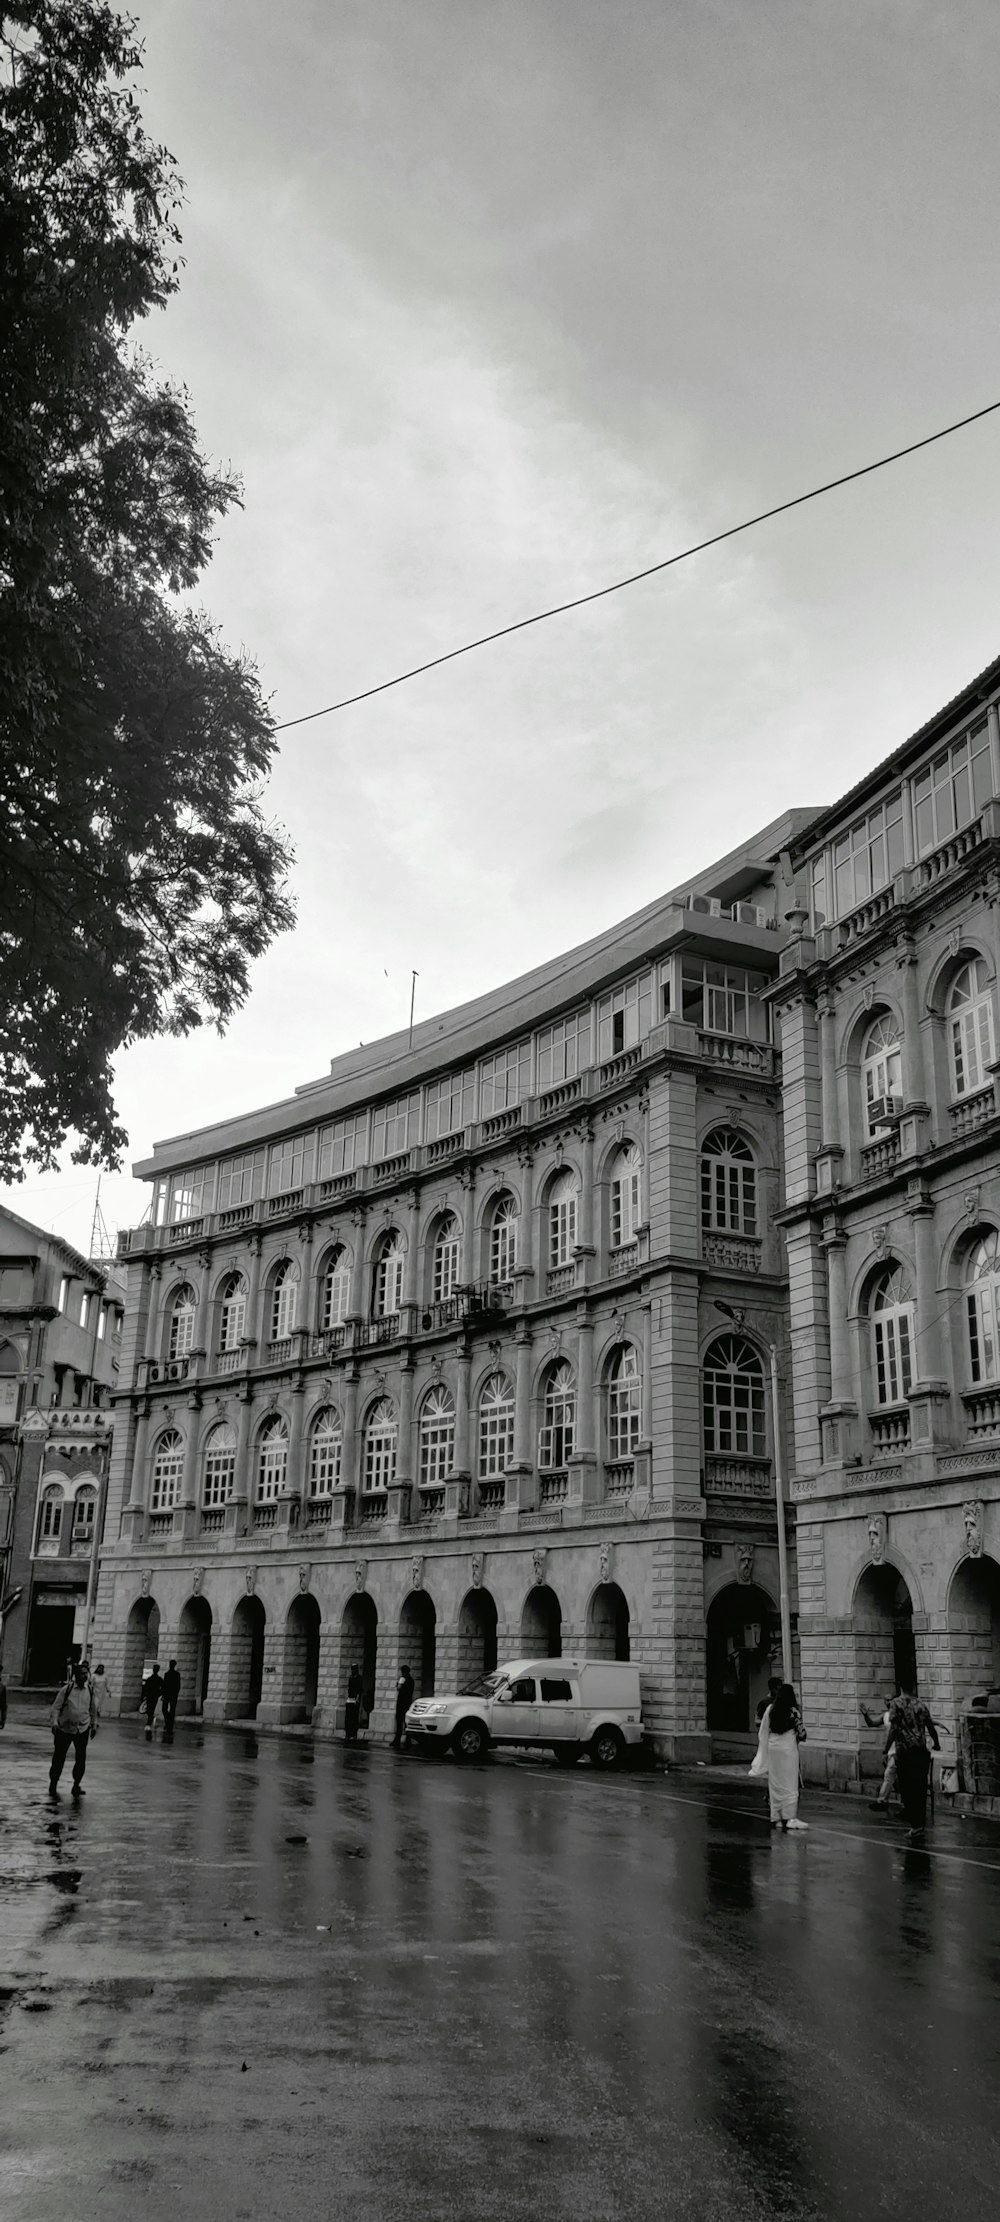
983,1310
335,1289
387,1291
284,1300
84,1514
326,1442
626,1184
881,1072
219,1479
728,1184
446,1260
232,1311
624,1402
437,1436
733,1399
970,1027
558,1430
50,1513
503,1240
496,1427
562,1220
168,1466
272,1459
181,1318
380,1441
890,1310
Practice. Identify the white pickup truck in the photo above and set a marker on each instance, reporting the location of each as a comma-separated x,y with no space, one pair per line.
577,1706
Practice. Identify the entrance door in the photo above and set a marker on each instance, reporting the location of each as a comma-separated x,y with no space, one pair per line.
49,1642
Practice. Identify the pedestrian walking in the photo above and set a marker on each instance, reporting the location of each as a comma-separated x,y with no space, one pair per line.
73,1720
170,1694
352,1708
100,1690
404,1698
152,1691
777,1757
911,1733
887,1789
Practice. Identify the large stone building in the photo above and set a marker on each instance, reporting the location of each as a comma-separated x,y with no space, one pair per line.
60,1338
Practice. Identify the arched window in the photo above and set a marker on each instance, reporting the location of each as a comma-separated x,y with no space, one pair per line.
387,1291
728,1184
84,1515
335,1289
325,1446
626,1184
447,1258
881,1072
496,1427
562,1220
970,1027
503,1240
284,1299
272,1459
168,1466
733,1396
890,1309
180,1329
983,1301
437,1436
232,1311
50,1514
558,1431
219,1479
381,1437
624,1383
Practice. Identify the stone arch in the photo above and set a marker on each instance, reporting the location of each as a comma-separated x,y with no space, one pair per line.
860,1018
194,1647
885,1654
359,1642
869,1272
974,1627
947,964
541,1623
246,1659
418,1640
300,1661
738,1627
606,1634
142,1634
477,1636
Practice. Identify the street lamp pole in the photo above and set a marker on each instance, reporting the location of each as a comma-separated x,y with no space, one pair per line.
779,1496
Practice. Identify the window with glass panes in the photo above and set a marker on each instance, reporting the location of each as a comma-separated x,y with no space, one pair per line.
380,1440
950,791
890,1310
562,1220
232,1312
437,1436
881,1071
496,1427
449,1105
563,1050
555,1442
723,998
342,1146
325,1446
239,1180
168,1467
728,1184
983,1310
624,1403
626,1181
868,855
84,1515
180,1337
335,1289
219,1477
284,1298
187,1194
50,1523
394,1127
623,1017
447,1260
289,1165
272,1460
504,1080
733,1399
970,1027
388,1283
503,1240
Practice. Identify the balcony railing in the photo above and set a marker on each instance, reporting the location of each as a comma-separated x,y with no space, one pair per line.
381,1330
738,1253
159,1524
327,1342
619,1477
290,1201
492,1495
431,1504
280,1351
618,1068
879,1156
392,1168
445,1146
374,1508
952,852
738,1477
265,1515
867,915
553,1488
738,1055
560,1278
213,1519
982,1409
890,1431
500,1122
623,1261
972,1112
339,1184
319,1512
555,1099
238,1215
229,1361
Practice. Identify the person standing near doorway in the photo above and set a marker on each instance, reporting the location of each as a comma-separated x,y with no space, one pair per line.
911,1733
352,1708
781,1733
171,1693
152,1691
73,1720
404,1698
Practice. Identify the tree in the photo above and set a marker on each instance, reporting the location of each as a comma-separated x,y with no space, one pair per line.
139,877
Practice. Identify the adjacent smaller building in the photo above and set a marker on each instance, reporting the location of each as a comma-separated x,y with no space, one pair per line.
60,1335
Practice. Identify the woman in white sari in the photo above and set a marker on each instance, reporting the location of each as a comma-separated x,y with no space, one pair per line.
781,1733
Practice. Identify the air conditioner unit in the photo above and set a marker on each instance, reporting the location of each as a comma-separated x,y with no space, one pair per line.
884,1110
764,918
714,907
698,902
175,1370
746,914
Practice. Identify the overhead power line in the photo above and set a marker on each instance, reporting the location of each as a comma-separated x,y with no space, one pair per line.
616,586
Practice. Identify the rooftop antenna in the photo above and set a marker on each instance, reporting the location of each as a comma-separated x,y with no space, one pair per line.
413,994
100,1240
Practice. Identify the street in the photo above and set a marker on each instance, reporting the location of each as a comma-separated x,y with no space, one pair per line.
247,1977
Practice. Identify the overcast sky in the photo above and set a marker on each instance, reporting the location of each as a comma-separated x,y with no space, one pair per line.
490,301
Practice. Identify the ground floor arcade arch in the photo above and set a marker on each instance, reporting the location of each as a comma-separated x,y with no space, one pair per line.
738,1657
359,1643
142,1634
477,1637
300,1663
607,1632
194,1648
418,1640
246,1659
541,1624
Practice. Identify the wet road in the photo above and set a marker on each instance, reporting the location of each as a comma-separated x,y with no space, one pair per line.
254,1980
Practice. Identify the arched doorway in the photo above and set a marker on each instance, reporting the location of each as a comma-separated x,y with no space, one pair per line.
541,1624
418,1640
142,1634
477,1637
974,1628
885,1655
300,1668
246,1659
194,1645
607,1623
738,1657
359,1643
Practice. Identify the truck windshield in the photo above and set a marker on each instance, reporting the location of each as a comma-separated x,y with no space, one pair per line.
485,1685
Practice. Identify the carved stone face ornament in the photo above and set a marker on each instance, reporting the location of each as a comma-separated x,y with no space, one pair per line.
304,1574
972,1521
477,1570
360,1572
416,1573
538,1559
605,1562
878,1527
743,1553
250,1580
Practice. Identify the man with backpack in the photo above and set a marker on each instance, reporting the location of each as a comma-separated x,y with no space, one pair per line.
74,1721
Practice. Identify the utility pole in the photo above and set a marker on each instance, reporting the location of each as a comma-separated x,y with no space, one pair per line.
413,995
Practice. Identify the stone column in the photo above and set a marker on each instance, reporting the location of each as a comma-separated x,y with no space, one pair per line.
237,1510
643,1471
153,1315
583,1463
839,1416
469,1274
253,1329
406,1464
520,1478
930,1398
290,1502
830,1152
186,1514
410,1263
585,1242
526,1222
359,1294
349,1455
461,1466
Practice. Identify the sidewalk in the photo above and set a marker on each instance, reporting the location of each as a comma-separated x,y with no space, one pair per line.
963,1804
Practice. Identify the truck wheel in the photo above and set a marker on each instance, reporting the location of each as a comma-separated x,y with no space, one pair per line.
469,1740
566,1755
607,1748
